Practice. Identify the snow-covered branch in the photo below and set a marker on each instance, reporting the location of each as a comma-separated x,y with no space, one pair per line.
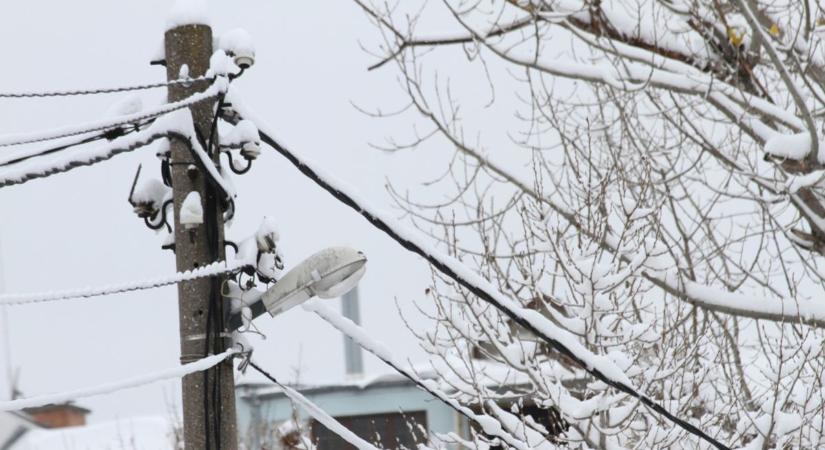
599,366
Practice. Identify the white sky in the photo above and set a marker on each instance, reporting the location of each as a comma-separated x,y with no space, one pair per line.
77,229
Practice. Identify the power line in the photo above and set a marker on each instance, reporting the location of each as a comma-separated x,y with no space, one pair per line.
107,388
211,270
12,176
211,93
357,334
108,134
317,413
455,270
75,92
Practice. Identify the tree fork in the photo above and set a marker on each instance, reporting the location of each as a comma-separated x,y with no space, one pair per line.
208,398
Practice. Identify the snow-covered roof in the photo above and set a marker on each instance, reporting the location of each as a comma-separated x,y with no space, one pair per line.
355,383
144,433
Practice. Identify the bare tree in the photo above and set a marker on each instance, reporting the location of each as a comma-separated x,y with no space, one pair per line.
659,195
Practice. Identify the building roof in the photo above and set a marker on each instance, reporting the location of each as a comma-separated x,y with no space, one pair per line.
62,406
361,383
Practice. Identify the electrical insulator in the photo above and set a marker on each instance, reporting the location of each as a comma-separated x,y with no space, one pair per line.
251,150
244,60
146,210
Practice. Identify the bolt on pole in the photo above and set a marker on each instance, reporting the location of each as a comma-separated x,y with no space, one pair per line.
208,397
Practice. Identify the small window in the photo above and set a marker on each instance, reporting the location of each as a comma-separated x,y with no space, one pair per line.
389,431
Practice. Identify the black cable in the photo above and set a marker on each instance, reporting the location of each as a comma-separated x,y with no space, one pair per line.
484,295
214,315
66,166
75,92
51,150
29,138
107,134
423,387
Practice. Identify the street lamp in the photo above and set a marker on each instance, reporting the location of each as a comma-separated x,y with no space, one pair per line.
330,273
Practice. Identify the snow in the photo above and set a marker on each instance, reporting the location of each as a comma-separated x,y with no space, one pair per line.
216,268
151,191
82,156
130,104
218,87
795,183
519,429
777,309
460,272
191,210
220,64
267,236
140,433
600,366
349,328
355,332
247,250
237,42
268,266
243,132
188,12
792,146
325,419
107,388
186,127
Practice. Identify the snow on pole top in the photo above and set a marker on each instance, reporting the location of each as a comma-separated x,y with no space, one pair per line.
188,12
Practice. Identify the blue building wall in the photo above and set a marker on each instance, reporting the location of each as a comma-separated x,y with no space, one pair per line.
341,401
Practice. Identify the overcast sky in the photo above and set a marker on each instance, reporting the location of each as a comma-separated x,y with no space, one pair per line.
76,229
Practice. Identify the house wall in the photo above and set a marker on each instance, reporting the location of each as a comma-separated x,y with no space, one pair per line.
352,402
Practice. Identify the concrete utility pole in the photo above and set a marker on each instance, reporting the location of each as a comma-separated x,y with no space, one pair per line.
209,397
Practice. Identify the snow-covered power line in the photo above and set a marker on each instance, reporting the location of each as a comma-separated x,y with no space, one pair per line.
40,168
7,158
177,124
107,388
599,366
218,87
490,425
211,270
94,91
317,413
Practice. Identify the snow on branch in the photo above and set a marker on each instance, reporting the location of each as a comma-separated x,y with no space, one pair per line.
107,388
599,366
664,275
211,270
654,56
633,76
795,146
218,87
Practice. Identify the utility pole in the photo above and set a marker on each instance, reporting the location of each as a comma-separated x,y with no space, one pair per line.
209,397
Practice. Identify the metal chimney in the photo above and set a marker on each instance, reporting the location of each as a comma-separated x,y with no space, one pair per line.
352,351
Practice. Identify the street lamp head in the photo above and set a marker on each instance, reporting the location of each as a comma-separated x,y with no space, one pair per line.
330,273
